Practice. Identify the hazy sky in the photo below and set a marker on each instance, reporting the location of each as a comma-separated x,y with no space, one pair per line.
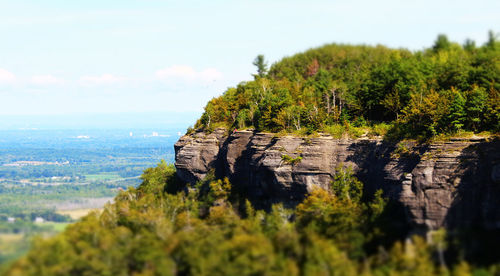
96,56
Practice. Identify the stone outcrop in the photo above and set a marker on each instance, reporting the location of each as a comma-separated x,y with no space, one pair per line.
197,154
451,184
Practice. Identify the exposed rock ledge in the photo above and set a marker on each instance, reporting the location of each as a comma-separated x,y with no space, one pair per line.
449,184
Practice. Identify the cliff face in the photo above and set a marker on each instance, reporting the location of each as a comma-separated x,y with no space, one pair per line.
451,184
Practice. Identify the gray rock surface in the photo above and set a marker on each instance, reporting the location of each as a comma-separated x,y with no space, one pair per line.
450,184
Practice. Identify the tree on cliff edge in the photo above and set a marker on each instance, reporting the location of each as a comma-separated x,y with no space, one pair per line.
261,64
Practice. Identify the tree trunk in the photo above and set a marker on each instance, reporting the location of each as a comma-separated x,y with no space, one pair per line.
333,94
328,109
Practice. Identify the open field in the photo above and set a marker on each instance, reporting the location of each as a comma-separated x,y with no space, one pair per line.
14,245
11,246
6,238
56,226
101,177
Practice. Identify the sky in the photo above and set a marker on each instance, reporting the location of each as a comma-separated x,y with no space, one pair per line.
60,57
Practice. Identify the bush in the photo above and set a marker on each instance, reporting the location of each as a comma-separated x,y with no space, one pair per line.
289,160
336,130
379,129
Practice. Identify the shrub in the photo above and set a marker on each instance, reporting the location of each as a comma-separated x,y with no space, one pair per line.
289,160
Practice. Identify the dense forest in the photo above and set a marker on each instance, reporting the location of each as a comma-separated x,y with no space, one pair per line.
211,230
445,89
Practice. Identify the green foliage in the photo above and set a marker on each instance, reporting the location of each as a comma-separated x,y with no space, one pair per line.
492,114
341,215
419,93
492,42
190,130
345,131
219,190
441,43
474,107
337,219
335,130
423,113
457,113
261,65
379,129
148,231
403,150
159,179
290,160
346,186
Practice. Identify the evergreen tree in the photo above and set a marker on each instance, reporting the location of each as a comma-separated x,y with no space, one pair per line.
457,115
261,65
441,43
474,107
469,45
491,43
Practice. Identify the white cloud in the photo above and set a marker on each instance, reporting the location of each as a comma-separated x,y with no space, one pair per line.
6,76
46,80
188,73
102,79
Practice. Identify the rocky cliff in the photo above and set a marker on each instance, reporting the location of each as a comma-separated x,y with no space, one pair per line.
451,184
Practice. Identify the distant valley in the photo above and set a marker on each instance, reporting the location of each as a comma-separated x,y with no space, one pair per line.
49,178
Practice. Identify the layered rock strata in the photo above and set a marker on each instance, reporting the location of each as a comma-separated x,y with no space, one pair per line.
450,184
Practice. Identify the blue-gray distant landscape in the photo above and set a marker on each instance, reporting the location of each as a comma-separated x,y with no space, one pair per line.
55,169
47,161
77,121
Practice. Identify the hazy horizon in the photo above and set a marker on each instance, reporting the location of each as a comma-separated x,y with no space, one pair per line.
121,120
